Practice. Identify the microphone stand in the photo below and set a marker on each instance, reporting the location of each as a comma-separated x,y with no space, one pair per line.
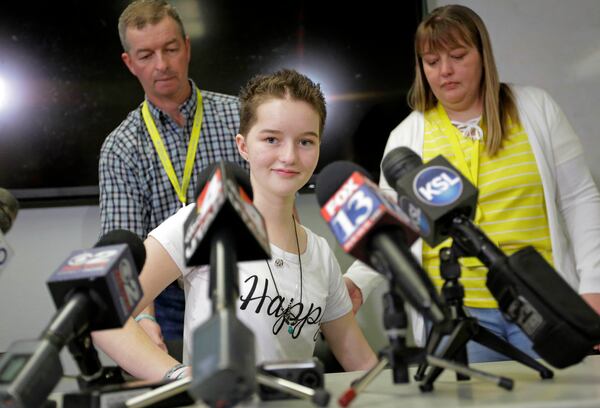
397,355
464,327
224,371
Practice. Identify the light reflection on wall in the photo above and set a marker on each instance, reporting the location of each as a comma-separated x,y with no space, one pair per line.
72,88
346,91
329,75
588,67
3,93
11,97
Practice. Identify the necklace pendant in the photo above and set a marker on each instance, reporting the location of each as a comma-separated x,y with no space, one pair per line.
291,329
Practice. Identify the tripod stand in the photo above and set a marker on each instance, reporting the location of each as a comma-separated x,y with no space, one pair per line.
397,355
464,328
164,396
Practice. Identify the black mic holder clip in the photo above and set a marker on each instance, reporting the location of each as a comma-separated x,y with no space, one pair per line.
93,373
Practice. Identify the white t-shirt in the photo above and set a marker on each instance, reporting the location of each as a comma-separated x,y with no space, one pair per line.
324,295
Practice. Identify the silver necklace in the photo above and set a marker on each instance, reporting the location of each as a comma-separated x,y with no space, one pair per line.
288,315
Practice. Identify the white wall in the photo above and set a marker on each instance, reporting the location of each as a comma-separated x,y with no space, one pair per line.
555,45
41,239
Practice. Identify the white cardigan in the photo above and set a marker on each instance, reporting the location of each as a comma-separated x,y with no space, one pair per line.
572,199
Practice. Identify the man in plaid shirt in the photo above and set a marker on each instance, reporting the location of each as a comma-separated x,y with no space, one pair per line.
148,168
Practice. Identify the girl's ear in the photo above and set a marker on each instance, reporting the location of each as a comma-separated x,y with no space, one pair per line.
240,141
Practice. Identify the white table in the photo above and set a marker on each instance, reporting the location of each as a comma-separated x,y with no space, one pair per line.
574,387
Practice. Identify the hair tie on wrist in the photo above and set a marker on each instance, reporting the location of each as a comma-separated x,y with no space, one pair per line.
142,316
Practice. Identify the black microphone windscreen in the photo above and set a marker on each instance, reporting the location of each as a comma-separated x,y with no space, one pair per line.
331,178
9,206
121,236
241,177
399,162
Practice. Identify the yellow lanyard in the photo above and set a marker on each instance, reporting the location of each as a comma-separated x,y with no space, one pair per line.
164,156
454,136
471,173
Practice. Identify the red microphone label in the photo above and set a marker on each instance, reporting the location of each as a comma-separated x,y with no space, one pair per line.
212,191
208,204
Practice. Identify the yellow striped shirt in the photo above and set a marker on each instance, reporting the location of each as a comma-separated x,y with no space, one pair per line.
511,208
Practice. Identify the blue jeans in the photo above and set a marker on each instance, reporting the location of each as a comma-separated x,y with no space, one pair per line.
495,322
169,308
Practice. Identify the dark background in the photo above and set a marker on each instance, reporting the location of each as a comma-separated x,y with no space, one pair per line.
68,88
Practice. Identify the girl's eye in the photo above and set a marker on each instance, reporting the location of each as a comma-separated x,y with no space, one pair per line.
270,139
307,142
458,56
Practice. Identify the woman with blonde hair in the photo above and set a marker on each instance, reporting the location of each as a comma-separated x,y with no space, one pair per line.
516,146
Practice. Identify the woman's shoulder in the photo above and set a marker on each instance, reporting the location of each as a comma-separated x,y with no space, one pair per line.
414,119
408,133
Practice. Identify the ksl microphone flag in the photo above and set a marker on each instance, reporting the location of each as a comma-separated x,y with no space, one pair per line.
430,194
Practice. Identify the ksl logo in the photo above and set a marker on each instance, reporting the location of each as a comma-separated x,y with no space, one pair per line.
438,186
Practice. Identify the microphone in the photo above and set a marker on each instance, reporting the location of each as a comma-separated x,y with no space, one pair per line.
225,228
430,194
9,206
224,201
374,230
102,280
94,289
442,202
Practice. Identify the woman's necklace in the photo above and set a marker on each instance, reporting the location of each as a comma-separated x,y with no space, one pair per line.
288,315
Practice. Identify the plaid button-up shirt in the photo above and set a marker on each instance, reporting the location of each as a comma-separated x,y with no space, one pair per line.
135,191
